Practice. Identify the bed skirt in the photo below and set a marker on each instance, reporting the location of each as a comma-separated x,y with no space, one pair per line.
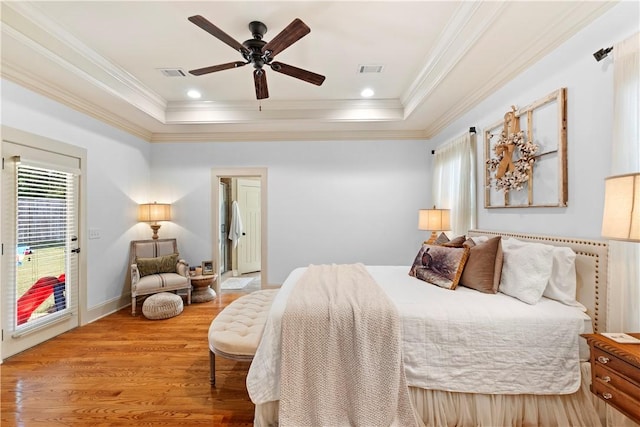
441,408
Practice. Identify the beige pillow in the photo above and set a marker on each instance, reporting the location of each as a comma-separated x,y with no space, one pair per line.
456,242
443,240
484,266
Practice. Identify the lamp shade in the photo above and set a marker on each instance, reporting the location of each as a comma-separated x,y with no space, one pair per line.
621,218
434,219
153,212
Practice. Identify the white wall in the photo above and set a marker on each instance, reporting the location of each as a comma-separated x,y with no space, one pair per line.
339,201
118,176
590,110
328,201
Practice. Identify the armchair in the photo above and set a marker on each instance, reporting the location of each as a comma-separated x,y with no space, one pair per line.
156,267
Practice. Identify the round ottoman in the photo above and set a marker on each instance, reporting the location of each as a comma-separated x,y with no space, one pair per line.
162,306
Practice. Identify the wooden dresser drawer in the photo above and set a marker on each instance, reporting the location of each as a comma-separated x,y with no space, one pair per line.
612,379
613,362
615,373
627,404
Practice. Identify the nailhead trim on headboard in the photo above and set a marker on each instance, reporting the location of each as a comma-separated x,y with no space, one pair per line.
595,276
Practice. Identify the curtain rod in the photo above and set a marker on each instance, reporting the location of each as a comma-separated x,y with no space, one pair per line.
602,53
472,129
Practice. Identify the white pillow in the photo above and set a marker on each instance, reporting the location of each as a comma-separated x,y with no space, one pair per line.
479,239
526,269
562,283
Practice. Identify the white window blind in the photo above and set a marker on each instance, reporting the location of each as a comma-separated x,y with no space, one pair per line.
45,286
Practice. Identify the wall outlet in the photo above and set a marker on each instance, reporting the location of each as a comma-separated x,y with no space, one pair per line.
94,233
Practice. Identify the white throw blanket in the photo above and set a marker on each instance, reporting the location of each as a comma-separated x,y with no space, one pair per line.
342,353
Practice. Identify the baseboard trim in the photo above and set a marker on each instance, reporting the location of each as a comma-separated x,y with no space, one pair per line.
106,308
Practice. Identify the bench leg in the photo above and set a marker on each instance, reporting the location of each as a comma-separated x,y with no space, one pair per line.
212,368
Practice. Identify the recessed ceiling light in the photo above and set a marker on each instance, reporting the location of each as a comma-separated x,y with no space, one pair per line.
367,93
194,94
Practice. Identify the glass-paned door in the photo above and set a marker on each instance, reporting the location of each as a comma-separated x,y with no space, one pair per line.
40,275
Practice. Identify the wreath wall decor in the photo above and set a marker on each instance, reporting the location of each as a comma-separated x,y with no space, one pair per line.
515,157
510,174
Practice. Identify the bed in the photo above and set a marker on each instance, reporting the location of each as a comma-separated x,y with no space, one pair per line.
446,386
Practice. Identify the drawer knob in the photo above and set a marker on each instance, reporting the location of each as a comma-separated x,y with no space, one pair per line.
607,395
606,379
603,359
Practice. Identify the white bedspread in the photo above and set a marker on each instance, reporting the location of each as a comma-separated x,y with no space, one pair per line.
461,340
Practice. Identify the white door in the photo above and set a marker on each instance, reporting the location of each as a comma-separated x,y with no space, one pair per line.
249,246
40,240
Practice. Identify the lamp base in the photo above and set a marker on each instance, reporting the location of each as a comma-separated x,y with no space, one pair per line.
155,228
432,238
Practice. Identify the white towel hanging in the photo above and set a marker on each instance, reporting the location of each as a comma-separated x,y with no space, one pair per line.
235,229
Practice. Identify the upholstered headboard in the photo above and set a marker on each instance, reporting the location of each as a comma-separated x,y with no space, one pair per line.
591,269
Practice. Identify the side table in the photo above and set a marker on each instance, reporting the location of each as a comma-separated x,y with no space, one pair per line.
202,291
615,373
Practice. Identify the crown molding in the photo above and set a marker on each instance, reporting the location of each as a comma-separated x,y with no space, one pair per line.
544,43
26,79
269,105
255,112
287,136
444,55
26,24
42,35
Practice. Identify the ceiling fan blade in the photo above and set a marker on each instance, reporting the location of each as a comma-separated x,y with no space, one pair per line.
298,73
216,32
260,80
214,68
291,34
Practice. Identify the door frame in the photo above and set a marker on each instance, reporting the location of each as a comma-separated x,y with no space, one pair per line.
27,139
239,172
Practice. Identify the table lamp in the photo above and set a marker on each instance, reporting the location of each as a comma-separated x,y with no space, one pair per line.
152,213
621,217
434,220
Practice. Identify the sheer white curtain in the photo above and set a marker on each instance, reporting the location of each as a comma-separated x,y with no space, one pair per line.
454,181
624,257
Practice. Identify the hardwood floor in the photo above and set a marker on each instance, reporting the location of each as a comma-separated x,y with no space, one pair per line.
123,370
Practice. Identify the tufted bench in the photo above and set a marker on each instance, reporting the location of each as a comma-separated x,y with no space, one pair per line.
236,331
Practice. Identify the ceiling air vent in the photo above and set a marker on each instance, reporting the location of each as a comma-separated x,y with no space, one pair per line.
362,69
173,72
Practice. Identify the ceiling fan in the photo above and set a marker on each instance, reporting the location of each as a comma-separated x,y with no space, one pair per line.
259,53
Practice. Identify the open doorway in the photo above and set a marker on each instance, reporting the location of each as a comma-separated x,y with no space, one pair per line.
239,209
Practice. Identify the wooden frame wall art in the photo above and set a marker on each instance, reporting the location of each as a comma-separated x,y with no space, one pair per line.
526,156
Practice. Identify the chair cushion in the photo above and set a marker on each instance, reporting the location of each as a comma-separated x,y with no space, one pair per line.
162,306
237,329
162,280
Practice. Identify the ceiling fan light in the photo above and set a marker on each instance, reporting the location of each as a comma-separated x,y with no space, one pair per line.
367,93
194,94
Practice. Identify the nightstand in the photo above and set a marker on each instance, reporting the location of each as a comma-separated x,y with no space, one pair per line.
615,373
